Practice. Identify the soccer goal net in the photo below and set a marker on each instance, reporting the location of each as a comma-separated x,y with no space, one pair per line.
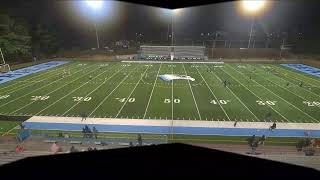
4,68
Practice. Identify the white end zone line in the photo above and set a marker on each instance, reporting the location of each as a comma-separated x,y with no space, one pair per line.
42,87
94,110
46,72
280,98
286,88
255,95
154,84
19,87
131,92
213,95
54,91
195,102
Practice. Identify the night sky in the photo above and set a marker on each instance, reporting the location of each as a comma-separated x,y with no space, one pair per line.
119,20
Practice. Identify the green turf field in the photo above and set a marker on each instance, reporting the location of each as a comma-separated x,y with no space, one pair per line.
259,92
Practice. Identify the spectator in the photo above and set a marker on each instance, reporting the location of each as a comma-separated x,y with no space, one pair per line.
22,126
73,149
19,149
263,139
55,148
95,132
139,139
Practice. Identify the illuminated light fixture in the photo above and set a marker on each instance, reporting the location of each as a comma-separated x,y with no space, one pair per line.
253,5
94,4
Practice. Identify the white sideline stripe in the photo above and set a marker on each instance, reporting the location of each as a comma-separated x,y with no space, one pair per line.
195,102
285,88
238,98
291,72
175,62
213,94
71,92
255,95
93,90
10,91
111,92
36,76
181,123
280,97
295,79
154,84
53,91
132,92
41,87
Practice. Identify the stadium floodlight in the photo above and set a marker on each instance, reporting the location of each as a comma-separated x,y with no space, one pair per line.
95,5
253,7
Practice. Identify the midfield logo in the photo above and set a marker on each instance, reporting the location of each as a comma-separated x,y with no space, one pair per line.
170,77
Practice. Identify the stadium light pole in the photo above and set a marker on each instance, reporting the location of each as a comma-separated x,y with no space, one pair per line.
95,5
252,7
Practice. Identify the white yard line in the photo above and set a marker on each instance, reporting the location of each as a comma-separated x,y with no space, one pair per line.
287,89
172,94
110,93
237,97
280,97
291,72
10,91
194,99
131,92
41,87
154,84
214,95
295,79
42,73
256,95
54,91
92,91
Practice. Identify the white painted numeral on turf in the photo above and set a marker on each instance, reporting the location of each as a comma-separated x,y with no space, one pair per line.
126,65
167,101
171,65
81,99
263,103
82,64
312,103
220,101
194,66
148,65
4,96
39,98
122,100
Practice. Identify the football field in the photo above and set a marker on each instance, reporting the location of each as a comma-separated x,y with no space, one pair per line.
220,92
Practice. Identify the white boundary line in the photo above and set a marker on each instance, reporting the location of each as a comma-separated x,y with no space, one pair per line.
255,95
42,87
279,96
154,84
300,75
172,95
93,91
286,88
213,95
94,110
295,79
46,72
131,92
195,102
239,99
10,91
53,91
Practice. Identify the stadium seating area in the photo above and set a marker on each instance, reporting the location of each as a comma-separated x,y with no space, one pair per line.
176,52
